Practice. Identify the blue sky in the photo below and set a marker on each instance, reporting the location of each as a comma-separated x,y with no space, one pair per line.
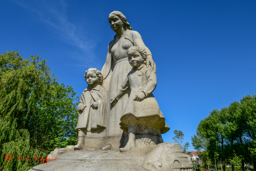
205,50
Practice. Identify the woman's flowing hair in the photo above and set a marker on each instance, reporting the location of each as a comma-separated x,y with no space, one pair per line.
120,15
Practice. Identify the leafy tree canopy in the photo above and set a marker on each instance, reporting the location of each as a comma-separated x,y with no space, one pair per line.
230,132
178,138
199,142
37,113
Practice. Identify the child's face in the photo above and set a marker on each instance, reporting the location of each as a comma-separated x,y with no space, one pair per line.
135,58
92,79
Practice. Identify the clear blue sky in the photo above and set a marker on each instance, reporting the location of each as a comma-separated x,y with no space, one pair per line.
205,50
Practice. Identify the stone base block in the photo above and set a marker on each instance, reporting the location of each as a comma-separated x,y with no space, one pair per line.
161,157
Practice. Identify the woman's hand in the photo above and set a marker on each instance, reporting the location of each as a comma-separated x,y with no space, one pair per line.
113,101
95,105
140,96
81,107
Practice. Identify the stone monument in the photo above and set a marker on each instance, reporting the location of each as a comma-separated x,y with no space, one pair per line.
91,108
119,121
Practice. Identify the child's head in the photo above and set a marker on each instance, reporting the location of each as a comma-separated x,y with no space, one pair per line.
136,56
93,77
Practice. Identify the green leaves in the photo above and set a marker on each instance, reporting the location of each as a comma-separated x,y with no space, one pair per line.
37,113
231,129
236,161
178,138
199,142
185,147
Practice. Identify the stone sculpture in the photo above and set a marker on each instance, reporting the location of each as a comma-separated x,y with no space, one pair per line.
115,71
91,107
142,110
126,117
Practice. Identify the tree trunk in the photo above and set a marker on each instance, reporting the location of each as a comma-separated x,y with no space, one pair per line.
243,165
233,168
224,167
254,166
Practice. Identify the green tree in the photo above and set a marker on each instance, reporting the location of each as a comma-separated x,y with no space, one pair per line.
230,129
199,142
37,113
178,138
236,161
185,147
248,112
205,158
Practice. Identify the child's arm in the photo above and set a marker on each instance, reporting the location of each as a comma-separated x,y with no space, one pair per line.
120,92
149,88
82,103
151,83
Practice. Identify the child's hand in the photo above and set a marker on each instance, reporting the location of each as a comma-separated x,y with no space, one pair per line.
113,101
95,105
81,108
140,96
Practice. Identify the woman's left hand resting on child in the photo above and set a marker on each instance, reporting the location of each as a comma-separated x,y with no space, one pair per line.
95,105
140,96
113,101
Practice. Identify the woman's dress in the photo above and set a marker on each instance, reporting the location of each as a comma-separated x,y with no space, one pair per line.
115,71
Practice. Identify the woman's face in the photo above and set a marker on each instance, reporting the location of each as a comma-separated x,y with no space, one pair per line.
115,22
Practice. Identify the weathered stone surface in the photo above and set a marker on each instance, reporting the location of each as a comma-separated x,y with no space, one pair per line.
126,117
58,151
91,122
142,112
115,71
162,157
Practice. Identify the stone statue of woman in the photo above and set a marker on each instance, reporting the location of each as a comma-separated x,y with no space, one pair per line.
116,68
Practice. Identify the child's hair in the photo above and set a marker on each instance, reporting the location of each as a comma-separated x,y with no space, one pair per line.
142,51
97,72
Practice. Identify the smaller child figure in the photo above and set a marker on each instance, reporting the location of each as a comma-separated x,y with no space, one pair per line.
91,107
142,110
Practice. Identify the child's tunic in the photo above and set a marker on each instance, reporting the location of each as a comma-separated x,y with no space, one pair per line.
92,119
145,113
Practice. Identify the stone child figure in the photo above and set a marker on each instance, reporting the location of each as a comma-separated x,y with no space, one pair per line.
142,109
91,107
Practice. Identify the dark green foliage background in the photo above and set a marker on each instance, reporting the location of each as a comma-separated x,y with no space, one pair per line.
37,114
230,132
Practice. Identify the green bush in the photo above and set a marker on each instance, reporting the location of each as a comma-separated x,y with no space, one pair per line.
36,112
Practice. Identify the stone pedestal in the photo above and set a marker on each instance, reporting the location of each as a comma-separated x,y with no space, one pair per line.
94,140
161,157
